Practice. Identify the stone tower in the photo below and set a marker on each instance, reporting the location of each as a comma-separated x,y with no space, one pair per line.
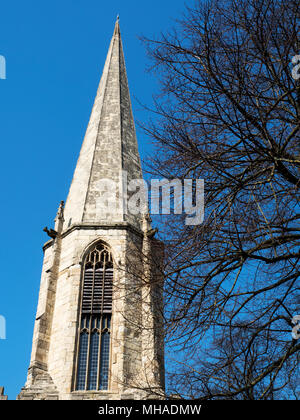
98,331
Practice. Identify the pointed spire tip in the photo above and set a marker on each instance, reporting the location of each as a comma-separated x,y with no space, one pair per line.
117,26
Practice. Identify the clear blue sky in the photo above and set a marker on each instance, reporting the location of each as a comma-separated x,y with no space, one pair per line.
55,51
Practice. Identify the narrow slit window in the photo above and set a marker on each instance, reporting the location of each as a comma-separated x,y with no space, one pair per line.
92,370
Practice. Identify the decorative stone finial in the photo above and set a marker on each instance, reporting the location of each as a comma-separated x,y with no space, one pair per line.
146,226
60,212
59,220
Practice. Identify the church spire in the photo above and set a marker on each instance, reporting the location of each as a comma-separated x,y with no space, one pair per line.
109,147
99,329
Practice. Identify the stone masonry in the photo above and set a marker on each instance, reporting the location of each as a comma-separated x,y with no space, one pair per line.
136,353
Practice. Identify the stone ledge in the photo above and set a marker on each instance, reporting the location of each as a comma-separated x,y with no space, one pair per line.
92,395
96,226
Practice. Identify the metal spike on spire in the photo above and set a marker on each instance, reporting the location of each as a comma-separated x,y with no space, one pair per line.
117,26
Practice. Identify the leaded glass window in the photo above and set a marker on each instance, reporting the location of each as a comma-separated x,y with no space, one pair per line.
92,372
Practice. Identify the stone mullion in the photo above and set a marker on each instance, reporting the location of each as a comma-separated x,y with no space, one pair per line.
100,325
80,329
99,352
90,327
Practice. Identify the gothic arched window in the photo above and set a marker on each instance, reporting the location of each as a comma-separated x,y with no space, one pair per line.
93,352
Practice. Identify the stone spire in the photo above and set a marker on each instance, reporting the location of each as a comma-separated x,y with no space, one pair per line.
109,147
130,281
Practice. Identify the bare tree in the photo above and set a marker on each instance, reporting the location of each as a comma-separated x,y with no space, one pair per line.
228,112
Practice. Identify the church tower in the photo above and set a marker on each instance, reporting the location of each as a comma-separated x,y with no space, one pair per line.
98,331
